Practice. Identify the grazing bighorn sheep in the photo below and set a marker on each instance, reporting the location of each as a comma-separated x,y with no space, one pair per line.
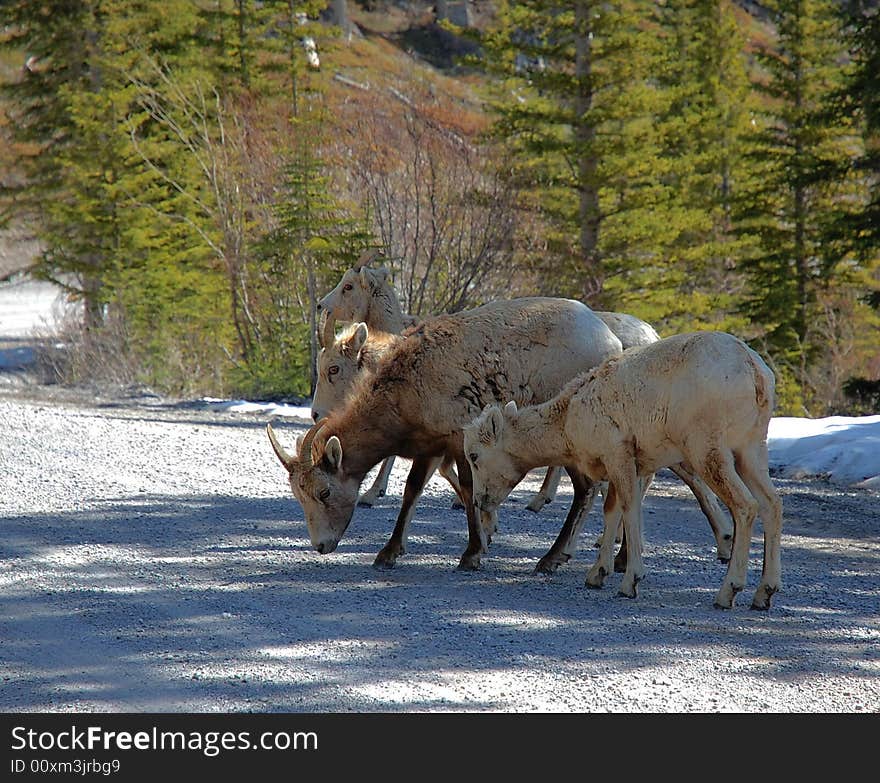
341,361
425,389
704,398
358,350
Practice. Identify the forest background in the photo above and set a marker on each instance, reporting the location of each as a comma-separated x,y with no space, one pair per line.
198,173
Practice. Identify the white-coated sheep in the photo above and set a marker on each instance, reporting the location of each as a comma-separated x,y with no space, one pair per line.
704,398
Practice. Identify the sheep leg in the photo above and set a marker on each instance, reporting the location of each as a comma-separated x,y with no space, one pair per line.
603,491
752,467
566,542
547,493
718,521
621,558
448,472
422,469
604,564
631,489
717,469
477,539
377,490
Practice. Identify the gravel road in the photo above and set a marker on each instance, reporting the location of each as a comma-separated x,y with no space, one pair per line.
153,559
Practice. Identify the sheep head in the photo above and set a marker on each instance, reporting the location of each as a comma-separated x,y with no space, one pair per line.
328,496
338,368
350,300
493,465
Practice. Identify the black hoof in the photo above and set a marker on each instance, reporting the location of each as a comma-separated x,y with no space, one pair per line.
364,504
456,506
719,606
384,563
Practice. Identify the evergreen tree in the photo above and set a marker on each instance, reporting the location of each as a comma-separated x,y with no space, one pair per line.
690,280
110,224
863,94
314,239
795,151
576,114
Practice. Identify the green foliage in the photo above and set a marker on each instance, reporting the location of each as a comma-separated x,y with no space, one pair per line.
175,159
311,242
800,152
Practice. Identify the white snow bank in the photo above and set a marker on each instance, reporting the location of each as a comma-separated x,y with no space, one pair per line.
264,408
843,449
28,305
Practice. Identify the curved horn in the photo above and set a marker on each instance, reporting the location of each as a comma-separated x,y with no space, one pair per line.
285,458
327,332
305,451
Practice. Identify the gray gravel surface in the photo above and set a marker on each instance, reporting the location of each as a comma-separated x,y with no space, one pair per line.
153,559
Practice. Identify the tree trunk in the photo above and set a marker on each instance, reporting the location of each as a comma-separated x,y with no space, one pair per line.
588,191
340,17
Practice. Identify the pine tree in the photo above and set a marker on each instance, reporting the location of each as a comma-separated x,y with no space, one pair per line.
576,115
690,281
797,147
863,94
115,232
314,239
857,230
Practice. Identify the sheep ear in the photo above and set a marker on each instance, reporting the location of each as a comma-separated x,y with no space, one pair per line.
359,337
381,274
510,409
333,453
365,277
490,429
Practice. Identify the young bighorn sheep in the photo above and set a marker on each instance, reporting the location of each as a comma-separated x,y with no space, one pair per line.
425,389
704,398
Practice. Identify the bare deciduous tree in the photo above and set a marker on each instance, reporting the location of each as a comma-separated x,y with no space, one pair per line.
445,217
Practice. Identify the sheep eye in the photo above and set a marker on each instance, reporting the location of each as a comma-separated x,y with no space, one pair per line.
346,287
333,369
325,493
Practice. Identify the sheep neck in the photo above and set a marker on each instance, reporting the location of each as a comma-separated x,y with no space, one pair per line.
384,313
537,437
368,435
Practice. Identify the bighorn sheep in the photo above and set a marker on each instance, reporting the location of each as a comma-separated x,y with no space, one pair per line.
366,295
358,350
342,361
704,398
425,389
